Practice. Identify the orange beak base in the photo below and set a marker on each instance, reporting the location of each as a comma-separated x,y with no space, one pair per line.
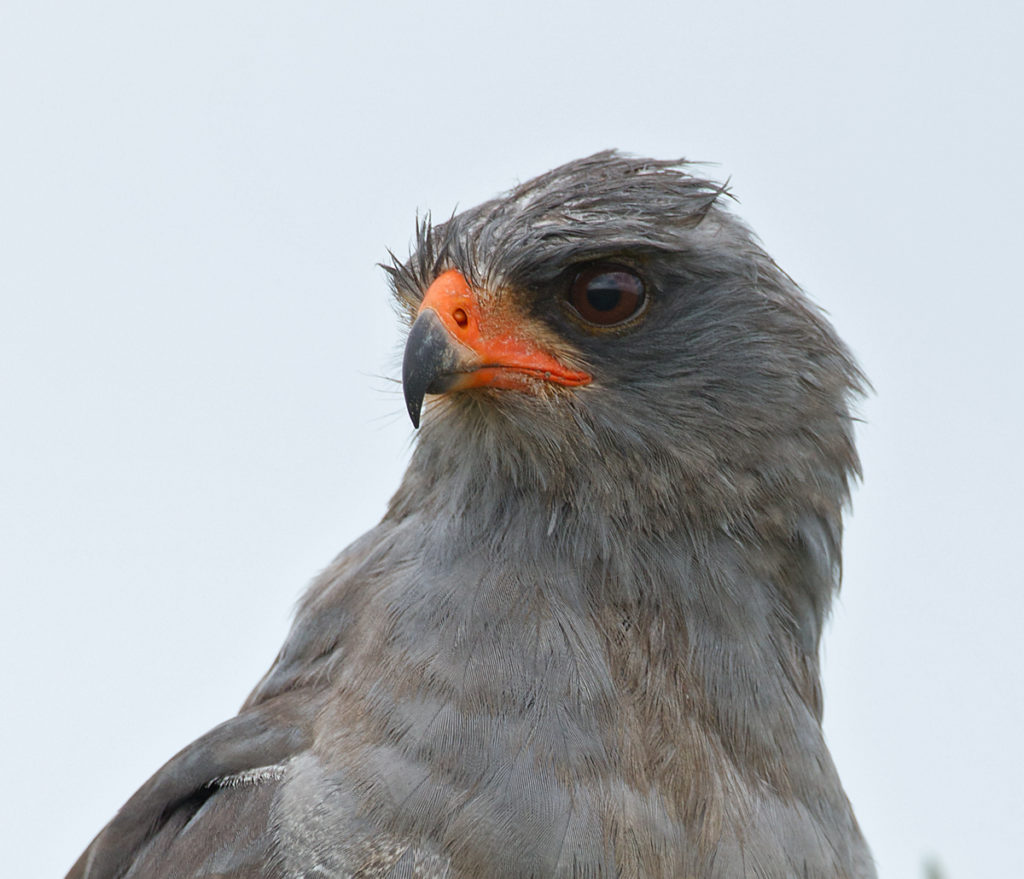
455,345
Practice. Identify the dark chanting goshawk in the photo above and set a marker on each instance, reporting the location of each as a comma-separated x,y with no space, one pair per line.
583,641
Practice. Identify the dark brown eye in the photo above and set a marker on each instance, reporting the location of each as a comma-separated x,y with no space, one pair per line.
606,294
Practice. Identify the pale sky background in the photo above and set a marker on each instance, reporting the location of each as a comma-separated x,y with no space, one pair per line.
195,414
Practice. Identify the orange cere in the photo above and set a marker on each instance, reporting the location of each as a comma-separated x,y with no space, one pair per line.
501,357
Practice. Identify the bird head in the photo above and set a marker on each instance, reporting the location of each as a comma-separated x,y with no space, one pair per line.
610,334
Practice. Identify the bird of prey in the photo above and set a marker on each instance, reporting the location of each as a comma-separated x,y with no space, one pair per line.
583,641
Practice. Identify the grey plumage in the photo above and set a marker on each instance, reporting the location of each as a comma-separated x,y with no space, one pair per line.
584,639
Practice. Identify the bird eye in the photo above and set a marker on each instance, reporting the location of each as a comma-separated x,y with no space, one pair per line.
606,295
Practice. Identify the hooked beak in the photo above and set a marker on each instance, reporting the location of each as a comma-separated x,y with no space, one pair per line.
457,344
431,364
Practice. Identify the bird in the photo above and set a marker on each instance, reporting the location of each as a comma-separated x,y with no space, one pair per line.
584,639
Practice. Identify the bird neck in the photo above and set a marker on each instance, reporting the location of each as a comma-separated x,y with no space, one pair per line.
668,655
728,608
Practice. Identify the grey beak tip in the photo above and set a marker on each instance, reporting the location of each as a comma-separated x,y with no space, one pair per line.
414,392
414,411
428,356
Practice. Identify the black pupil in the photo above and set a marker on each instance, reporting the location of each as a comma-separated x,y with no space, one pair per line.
604,293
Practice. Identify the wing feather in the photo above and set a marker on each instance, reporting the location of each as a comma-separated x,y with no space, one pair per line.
221,780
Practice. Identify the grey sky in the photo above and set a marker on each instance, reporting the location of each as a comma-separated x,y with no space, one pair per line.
196,348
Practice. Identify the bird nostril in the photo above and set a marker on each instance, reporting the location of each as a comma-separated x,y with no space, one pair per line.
460,317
